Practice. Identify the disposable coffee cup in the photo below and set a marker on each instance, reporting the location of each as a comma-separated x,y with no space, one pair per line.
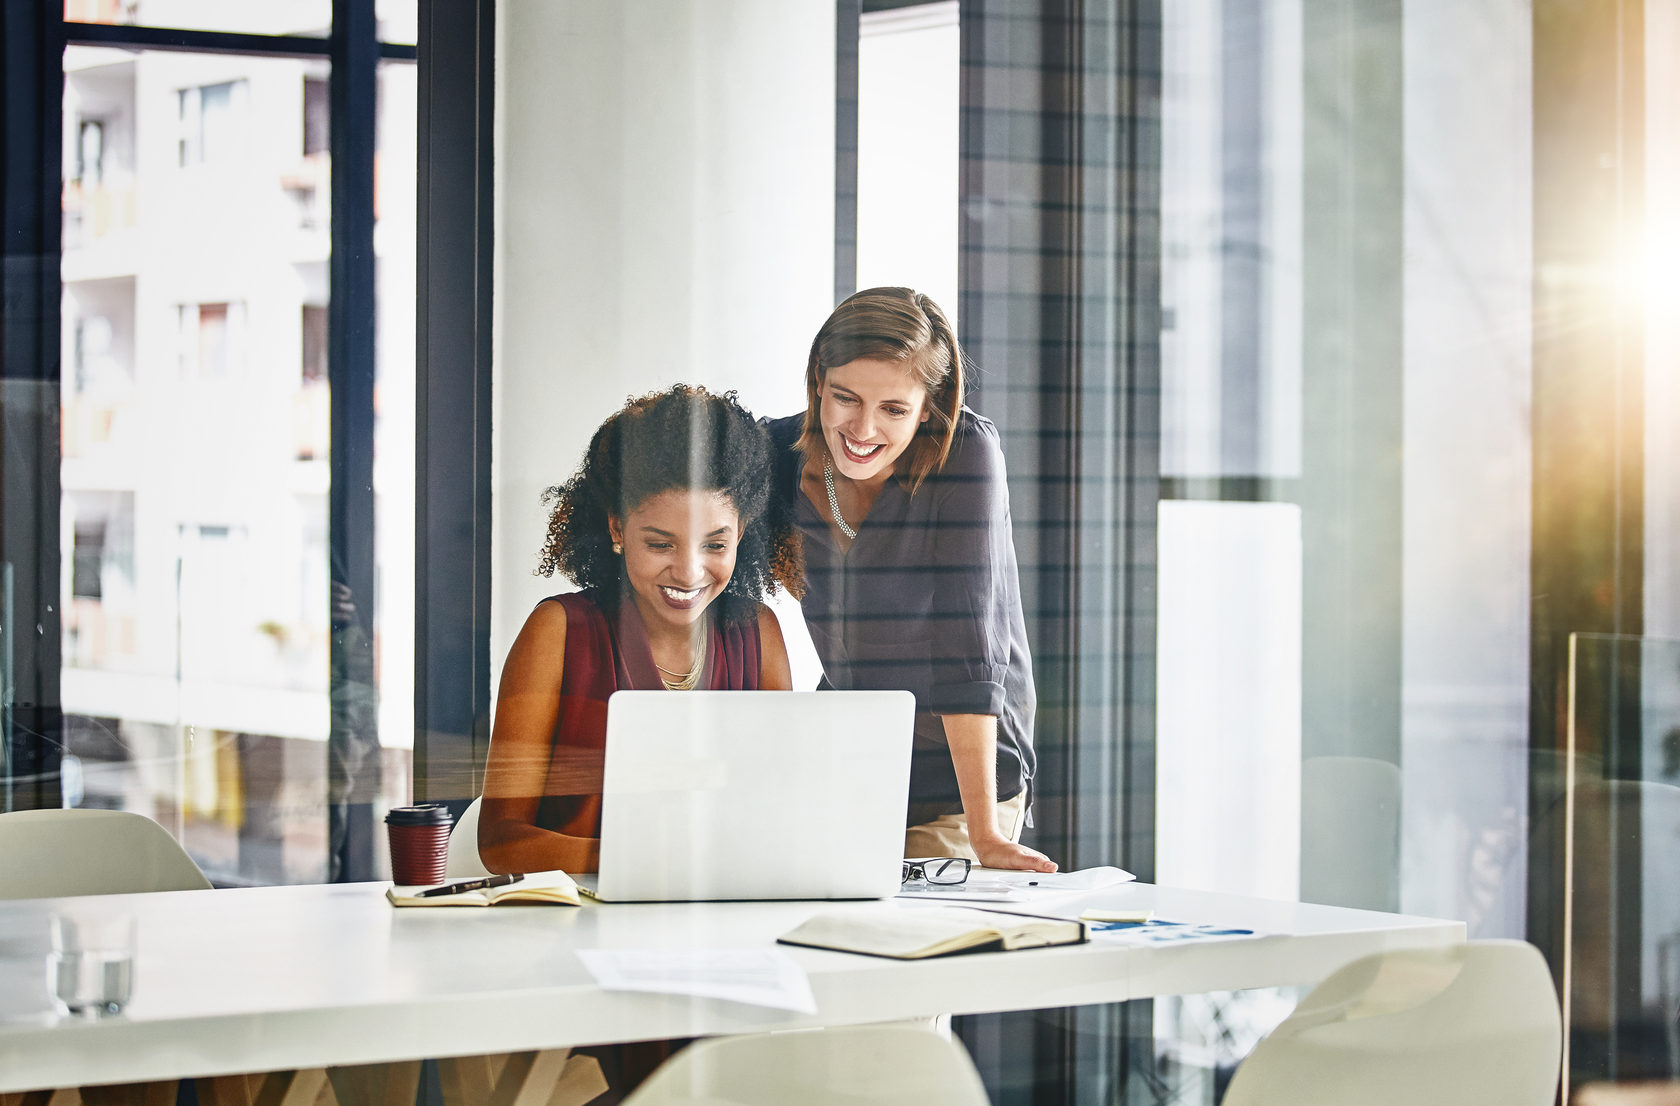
419,838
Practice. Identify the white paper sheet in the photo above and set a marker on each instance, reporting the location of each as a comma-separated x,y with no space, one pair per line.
999,885
761,977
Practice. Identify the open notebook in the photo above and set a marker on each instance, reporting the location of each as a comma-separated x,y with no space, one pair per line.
918,933
541,888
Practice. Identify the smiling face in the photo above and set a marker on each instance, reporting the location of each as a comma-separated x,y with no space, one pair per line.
679,553
870,413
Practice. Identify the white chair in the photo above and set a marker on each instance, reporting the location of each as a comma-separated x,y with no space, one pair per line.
56,853
878,1064
463,861
66,853
1476,1024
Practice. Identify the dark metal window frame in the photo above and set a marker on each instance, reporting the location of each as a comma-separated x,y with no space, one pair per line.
134,37
31,714
452,462
848,16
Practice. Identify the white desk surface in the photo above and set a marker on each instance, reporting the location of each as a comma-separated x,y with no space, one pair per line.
267,979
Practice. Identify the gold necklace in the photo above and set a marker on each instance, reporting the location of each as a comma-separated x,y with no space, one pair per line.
687,681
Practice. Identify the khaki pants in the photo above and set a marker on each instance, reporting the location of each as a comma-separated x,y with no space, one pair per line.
947,835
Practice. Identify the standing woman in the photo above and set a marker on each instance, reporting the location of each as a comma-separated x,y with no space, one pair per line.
911,581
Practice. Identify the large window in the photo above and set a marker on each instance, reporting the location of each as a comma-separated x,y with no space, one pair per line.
907,149
234,655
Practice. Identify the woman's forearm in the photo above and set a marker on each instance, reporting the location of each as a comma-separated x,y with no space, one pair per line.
510,846
973,742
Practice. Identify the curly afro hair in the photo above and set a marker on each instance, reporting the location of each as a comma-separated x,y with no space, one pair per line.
683,438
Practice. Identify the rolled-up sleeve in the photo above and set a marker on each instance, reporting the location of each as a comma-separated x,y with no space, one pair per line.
975,583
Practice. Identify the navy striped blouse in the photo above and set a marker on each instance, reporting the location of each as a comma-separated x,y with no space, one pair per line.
927,600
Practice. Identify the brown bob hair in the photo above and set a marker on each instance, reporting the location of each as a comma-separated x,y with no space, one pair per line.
902,326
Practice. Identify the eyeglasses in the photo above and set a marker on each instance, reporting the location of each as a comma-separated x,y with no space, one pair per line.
936,871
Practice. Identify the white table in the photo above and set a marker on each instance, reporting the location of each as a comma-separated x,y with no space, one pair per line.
307,977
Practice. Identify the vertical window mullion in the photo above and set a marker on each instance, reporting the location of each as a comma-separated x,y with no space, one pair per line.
31,710
452,400
848,15
353,103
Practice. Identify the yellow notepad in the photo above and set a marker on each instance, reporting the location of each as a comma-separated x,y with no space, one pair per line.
540,888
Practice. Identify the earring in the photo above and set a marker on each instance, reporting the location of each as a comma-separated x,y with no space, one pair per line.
617,548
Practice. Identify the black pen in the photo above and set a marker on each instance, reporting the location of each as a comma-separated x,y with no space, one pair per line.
469,885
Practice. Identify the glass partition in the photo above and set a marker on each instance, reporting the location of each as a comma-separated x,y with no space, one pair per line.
1617,795
1304,328
1319,340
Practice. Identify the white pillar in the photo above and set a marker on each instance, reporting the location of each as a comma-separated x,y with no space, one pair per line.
665,212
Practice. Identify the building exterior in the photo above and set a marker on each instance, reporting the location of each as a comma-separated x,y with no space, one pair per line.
195,441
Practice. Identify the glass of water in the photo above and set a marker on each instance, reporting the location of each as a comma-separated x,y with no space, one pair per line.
91,965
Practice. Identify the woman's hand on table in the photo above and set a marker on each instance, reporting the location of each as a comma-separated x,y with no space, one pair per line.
1004,853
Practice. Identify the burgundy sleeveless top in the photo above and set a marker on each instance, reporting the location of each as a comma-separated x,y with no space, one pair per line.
604,655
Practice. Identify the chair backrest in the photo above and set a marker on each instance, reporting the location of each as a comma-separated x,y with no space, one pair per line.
57,853
463,861
1472,1024
886,1065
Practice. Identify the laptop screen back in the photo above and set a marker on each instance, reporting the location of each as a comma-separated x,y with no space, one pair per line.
754,795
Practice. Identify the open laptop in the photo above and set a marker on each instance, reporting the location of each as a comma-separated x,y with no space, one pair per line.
717,795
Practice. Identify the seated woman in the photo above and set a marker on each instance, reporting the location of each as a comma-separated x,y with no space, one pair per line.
669,531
